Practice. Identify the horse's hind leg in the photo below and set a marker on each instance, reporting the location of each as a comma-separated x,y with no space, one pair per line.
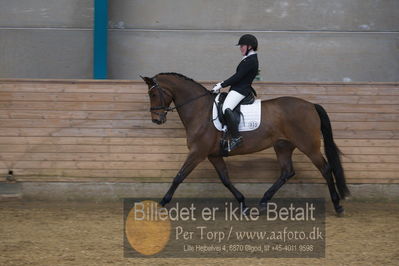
221,169
284,150
321,164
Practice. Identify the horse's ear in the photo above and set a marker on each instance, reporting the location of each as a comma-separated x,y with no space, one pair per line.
148,80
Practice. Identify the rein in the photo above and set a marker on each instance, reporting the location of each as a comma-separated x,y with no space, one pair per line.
167,109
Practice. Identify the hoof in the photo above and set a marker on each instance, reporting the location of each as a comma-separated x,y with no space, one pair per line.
340,212
262,207
162,203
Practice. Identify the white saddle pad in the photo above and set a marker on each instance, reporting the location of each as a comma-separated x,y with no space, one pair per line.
248,122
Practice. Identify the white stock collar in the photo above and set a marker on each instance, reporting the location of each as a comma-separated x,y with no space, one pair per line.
252,52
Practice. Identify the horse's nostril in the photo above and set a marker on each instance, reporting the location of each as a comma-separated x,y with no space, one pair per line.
156,121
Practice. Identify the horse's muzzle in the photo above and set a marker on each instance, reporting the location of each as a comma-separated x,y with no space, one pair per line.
158,122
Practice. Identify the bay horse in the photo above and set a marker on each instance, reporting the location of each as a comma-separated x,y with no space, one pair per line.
286,123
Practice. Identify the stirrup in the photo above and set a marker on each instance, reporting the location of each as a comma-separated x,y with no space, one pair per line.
234,143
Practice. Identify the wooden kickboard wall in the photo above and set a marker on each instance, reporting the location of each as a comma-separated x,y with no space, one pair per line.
85,130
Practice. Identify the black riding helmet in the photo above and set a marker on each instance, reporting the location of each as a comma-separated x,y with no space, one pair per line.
249,39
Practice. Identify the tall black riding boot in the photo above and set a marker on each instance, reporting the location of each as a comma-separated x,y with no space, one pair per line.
232,125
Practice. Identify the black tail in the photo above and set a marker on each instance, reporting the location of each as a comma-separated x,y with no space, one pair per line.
332,152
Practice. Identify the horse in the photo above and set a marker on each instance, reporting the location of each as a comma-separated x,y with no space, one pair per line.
287,123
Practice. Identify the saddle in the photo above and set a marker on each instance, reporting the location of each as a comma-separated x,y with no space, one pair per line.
250,99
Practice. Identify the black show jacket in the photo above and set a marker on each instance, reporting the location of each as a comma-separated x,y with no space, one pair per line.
246,72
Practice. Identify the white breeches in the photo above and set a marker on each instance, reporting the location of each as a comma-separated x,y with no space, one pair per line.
232,100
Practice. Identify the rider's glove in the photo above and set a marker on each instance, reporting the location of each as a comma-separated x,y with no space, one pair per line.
217,88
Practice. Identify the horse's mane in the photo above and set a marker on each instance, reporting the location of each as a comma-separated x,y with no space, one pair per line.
182,77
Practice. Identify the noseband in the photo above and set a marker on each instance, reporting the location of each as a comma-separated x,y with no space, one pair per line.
163,106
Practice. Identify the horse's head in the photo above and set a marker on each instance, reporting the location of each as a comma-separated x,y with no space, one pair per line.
160,100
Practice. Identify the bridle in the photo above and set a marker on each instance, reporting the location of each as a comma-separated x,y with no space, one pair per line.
162,92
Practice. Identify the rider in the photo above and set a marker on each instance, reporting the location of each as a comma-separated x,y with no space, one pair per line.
240,85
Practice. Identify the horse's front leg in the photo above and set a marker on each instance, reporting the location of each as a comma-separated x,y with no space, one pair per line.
193,159
221,168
